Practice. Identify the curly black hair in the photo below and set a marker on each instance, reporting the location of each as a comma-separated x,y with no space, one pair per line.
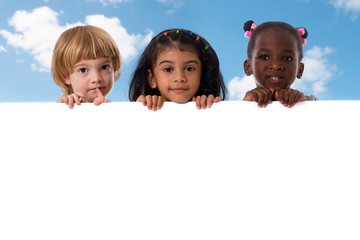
211,78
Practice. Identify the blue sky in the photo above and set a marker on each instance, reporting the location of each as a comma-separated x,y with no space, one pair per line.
29,30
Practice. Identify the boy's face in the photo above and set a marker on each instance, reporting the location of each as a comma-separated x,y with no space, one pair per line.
91,74
177,74
275,60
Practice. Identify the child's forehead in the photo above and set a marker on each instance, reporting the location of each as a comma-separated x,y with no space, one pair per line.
276,37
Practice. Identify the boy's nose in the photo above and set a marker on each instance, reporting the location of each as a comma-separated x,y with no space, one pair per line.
96,77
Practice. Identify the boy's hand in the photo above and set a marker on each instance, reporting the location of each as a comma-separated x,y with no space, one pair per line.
100,98
70,100
204,101
289,97
260,95
153,102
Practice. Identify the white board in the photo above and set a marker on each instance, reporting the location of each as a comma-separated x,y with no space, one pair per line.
120,171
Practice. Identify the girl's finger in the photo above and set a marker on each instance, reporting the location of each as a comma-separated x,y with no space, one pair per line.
217,99
160,102
154,102
203,101
148,101
209,101
141,99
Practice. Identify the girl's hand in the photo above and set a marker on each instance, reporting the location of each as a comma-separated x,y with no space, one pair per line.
153,102
204,101
100,98
260,95
69,100
289,97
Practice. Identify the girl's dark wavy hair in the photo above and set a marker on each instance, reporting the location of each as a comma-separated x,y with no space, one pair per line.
279,25
212,81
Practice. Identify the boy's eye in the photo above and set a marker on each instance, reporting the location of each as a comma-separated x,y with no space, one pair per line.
105,67
189,69
287,58
83,70
167,69
264,57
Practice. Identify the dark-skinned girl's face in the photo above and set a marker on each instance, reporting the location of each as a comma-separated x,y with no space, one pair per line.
275,60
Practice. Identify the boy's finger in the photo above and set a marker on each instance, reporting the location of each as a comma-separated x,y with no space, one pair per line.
71,102
98,92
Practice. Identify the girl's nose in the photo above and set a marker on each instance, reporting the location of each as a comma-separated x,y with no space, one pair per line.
179,76
276,65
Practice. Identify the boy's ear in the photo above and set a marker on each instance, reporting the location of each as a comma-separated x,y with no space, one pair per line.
66,79
247,67
300,71
151,79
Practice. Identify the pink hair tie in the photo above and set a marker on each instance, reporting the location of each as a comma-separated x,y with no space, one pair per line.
302,33
248,33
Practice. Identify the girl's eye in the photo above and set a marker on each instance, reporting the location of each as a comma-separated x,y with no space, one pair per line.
287,58
264,57
167,69
83,70
105,67
189,69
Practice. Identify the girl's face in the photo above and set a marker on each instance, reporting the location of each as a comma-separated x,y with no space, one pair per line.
176,74
91,74
274,60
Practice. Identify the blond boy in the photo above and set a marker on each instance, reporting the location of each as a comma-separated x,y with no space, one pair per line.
85,64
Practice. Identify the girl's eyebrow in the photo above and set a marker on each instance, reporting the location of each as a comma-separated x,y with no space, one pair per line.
171,62
269,50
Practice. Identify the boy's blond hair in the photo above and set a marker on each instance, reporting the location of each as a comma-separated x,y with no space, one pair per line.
78,43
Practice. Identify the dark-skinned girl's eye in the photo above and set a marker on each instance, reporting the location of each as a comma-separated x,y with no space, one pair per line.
264,57
287,58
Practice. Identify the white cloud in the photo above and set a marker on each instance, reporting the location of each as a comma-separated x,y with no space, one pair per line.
347,5
36,33
318,71
238,87
175,4
107,2
2,48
